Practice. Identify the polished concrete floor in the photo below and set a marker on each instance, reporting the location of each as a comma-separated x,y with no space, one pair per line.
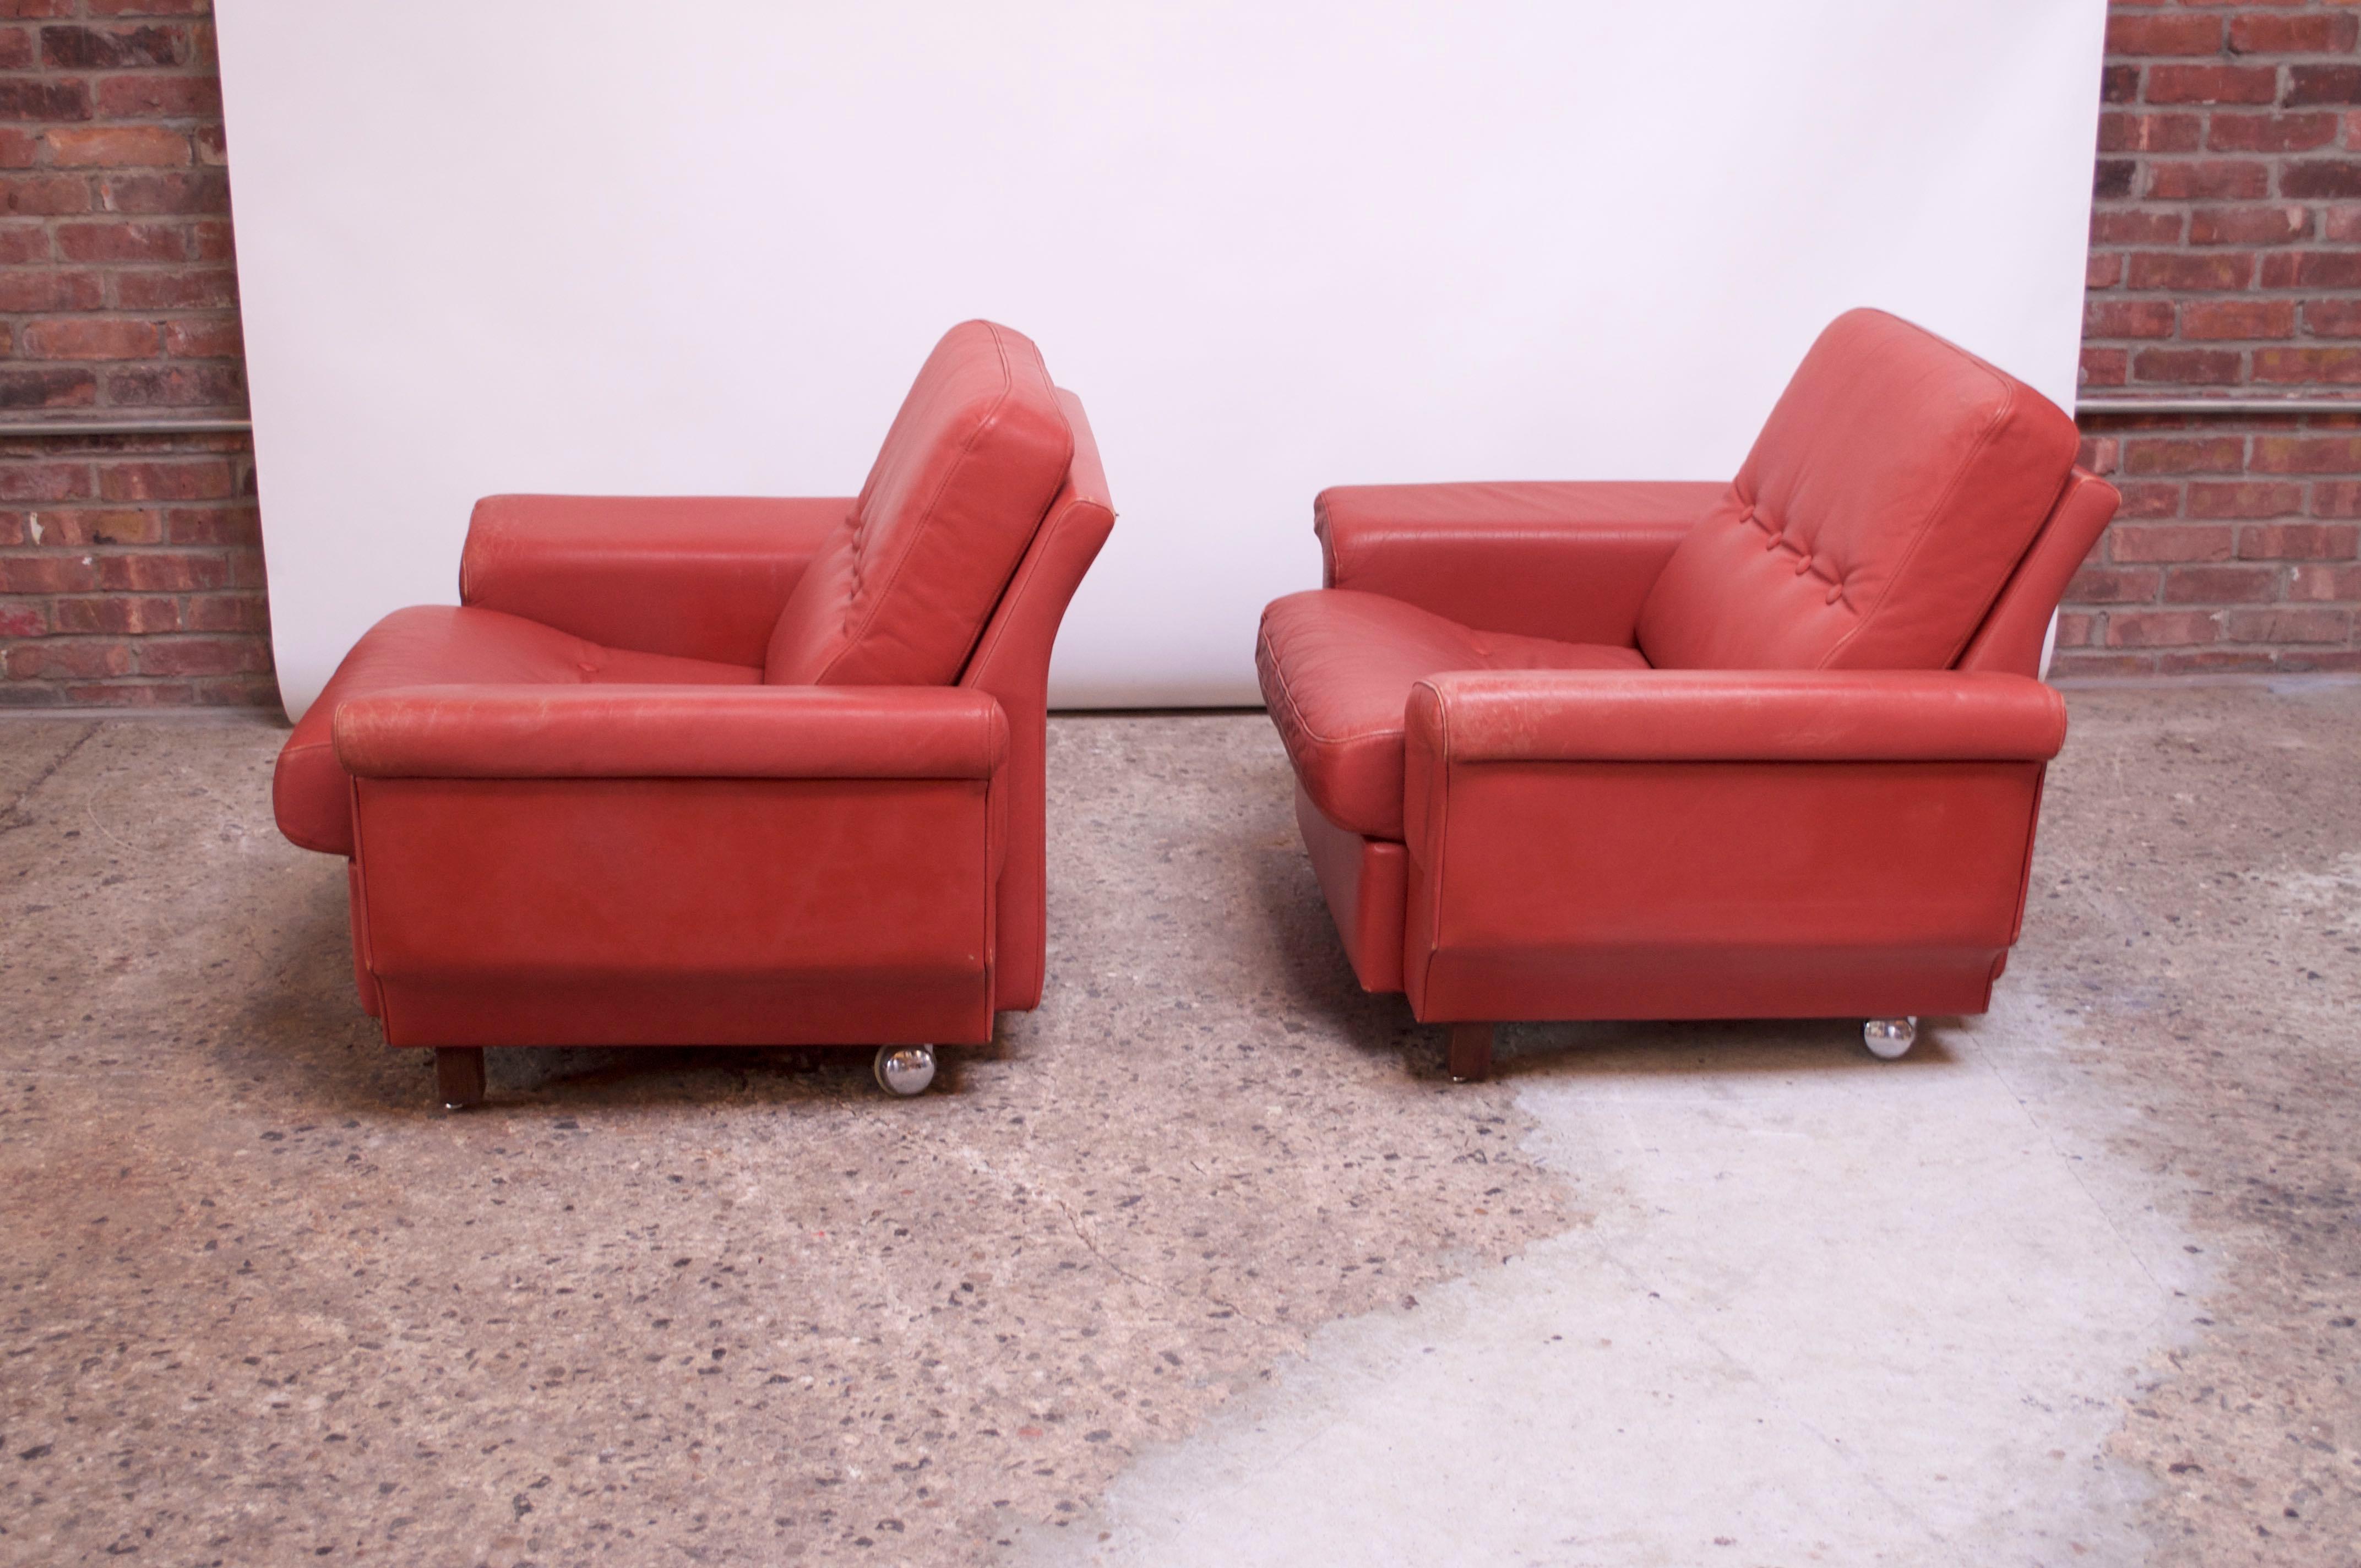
1203,1261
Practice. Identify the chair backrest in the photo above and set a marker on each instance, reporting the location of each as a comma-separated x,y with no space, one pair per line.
1891,495
976,454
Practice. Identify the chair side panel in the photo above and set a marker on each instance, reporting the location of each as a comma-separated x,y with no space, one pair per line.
1695,890
633,911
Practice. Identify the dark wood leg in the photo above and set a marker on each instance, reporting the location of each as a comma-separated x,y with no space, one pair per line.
1471,1052
459,1076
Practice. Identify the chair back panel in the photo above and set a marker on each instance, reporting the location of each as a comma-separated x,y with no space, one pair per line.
2011,638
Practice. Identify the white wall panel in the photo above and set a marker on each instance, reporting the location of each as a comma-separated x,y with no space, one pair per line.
586,245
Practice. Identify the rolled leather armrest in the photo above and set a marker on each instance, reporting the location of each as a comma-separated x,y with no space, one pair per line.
1735,716
651,731
1572,561
697,576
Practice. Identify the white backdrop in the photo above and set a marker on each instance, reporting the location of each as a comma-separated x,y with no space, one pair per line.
589,246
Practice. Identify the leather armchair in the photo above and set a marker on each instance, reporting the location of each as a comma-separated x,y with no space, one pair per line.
1770,749
722,771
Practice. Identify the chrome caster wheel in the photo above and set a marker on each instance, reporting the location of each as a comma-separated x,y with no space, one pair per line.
1890,1039
906,1069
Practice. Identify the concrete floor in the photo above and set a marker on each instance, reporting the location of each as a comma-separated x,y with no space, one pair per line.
1203,1262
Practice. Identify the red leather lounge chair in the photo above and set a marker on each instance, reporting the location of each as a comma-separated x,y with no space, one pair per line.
722,772
1772,749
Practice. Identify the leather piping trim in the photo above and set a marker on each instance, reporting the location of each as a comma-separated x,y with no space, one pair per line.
1279,675
369,956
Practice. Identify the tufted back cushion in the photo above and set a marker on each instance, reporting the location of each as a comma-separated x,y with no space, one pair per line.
1891,493
970,468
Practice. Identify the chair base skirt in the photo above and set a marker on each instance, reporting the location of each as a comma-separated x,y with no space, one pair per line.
1596,984
679,1011
1691,984
1365,886
901,1070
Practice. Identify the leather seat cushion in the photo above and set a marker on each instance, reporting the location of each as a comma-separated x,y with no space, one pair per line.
1337,667
436,645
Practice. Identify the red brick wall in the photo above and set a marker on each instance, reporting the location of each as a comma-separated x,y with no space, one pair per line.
2225,258
130,566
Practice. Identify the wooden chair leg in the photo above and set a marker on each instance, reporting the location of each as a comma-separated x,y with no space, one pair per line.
1471,1052
459,1076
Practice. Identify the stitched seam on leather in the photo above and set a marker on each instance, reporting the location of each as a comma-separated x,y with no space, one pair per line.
1295,713
1312,736
361,872
991,902
1279,674
1990,432
860,552
1316,737
1294,708
1439,813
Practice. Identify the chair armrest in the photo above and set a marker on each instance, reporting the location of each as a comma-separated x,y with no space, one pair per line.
1734,716
697,576
1572,561
648,731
